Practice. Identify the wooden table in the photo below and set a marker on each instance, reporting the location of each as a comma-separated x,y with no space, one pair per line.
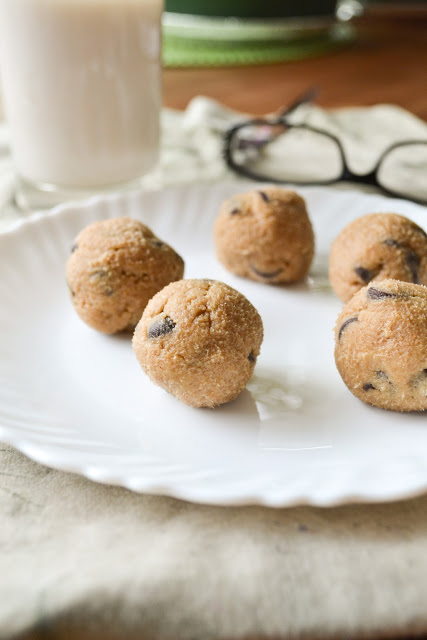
387,63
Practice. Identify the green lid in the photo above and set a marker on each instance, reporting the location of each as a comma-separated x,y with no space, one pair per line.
190,51
253,8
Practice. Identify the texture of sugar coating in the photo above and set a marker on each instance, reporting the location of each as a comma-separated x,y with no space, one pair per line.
115,267
199,340
377,246
381,345
265,235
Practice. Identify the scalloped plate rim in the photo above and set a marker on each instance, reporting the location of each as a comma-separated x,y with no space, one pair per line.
100,473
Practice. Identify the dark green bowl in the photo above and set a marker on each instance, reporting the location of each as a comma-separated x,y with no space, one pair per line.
253,8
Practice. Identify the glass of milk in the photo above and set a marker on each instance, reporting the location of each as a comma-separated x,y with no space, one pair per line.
81,83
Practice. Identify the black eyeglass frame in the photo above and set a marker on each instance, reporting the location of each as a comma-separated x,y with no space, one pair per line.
370,178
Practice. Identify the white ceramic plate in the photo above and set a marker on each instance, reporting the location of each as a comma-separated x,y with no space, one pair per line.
76,400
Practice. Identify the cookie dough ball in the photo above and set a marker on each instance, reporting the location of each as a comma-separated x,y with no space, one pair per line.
265,235
199,340
377,247
115,267
381,345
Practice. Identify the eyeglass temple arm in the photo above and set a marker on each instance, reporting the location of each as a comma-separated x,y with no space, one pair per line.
308,96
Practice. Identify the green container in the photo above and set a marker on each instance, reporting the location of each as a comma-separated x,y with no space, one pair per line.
233,32
253,8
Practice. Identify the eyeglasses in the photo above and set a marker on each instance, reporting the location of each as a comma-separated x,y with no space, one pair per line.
275,150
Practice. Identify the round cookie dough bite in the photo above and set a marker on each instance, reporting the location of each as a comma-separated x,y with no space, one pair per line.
376,247
381,345
265,235
115,267
199,340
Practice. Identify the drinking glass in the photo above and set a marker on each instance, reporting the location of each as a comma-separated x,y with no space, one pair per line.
81,86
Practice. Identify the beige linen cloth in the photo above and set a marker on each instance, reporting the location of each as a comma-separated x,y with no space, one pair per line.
81,560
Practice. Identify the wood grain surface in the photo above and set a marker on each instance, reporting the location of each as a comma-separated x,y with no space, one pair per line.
386,63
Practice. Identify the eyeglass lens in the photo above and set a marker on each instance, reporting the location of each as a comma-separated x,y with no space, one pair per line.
403,170
299,155
289,154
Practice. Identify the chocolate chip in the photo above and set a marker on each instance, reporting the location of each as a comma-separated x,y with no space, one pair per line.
368,386
419,378
108,291
364,274
99,273
72,293
345,324
264,196
161,327
382,374
235,211
266,274
157,243
412,260
377,294
392,243
251,357
74,248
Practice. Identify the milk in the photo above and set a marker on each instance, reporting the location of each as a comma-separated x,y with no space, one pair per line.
82,88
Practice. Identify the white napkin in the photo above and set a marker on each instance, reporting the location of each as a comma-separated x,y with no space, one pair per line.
192,142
